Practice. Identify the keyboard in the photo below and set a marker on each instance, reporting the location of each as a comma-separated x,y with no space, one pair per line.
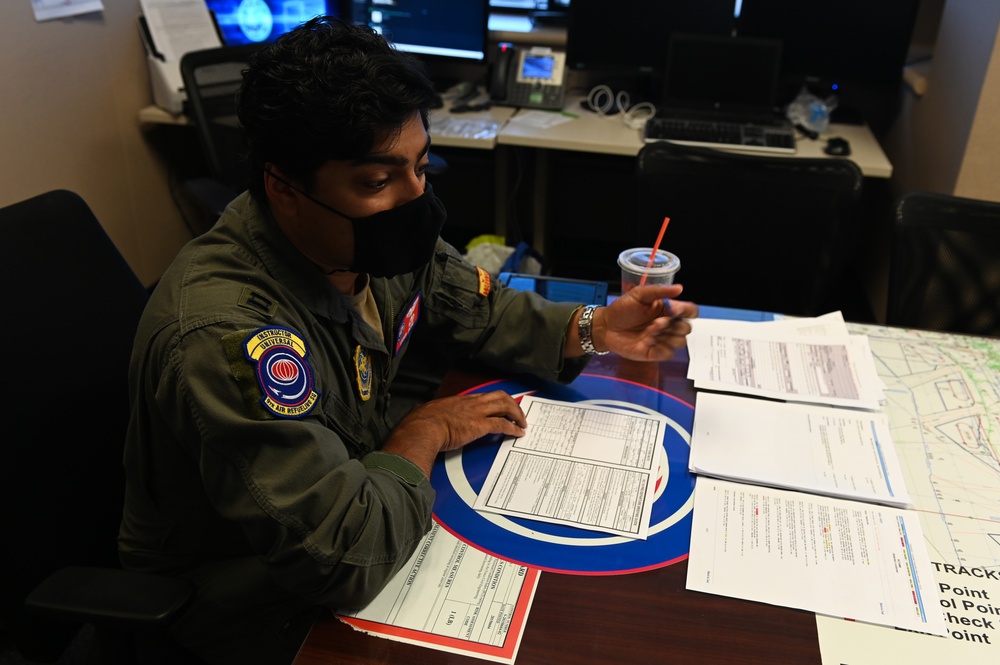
778,138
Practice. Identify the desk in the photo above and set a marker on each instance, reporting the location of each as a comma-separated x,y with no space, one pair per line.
587,133
936,397
590,132
646,617
608,135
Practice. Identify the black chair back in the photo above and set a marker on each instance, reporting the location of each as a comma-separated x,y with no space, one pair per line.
945,267
754,231
71,308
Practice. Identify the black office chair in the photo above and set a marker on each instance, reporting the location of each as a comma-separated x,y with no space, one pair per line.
71,307
944,272
754,231
212,78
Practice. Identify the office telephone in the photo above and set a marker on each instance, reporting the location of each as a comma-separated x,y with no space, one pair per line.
533,77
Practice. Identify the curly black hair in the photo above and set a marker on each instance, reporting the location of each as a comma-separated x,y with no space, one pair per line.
324,91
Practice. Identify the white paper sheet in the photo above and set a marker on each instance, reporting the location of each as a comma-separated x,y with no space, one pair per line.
771,361
838,452
46,10
583,465
179,26
843,558
970,604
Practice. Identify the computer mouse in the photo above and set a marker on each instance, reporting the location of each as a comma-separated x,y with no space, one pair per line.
837,147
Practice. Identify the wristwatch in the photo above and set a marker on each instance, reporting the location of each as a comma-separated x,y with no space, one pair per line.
586,326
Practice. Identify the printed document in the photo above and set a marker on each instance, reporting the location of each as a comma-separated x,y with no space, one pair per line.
583,465
452,597
843,558
839,452
772,361
179,26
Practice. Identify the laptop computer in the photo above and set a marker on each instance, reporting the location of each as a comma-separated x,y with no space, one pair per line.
719,91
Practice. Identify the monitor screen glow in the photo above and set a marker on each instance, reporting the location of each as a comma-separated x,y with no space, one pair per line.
453,29
263,21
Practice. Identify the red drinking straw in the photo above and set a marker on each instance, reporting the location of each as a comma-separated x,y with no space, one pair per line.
656,246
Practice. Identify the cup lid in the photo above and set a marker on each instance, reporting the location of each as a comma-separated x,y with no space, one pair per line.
637,259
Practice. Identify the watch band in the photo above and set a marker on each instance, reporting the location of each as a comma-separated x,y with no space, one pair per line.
585,326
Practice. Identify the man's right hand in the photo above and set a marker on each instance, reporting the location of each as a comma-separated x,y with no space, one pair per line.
452,422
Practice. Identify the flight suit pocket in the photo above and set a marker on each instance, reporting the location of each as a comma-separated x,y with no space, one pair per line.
462,294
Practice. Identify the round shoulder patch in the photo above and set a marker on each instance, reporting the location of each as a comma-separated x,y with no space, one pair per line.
283,371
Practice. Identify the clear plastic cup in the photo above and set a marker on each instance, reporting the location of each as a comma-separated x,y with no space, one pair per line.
635,264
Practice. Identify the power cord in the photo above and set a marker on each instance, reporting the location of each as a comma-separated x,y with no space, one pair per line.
606,103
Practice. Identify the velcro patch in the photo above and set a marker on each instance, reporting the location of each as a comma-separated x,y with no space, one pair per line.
409,321
484,282
283,372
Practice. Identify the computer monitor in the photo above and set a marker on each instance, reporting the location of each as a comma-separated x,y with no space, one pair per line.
263,21
629,38
455,30
844,43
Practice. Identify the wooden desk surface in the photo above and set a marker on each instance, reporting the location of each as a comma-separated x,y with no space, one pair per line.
646,617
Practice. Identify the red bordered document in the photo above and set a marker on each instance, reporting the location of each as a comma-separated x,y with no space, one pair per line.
452,597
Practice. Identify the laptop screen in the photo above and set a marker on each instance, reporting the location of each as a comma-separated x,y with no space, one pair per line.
263,21
726,74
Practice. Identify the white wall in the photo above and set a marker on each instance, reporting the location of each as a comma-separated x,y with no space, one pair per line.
948,140
71,93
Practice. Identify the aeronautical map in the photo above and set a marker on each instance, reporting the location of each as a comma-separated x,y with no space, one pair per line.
943,403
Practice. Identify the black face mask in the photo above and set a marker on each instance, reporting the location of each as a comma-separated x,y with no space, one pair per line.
395,241
399,240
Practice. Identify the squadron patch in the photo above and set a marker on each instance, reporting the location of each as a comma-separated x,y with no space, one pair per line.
484,282
408,322
283,373
363,365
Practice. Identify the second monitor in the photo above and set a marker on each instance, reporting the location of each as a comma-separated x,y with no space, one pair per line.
443,29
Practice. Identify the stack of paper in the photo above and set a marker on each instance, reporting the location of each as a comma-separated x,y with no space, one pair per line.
822,526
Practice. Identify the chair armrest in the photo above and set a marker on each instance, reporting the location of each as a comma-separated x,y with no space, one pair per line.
110,597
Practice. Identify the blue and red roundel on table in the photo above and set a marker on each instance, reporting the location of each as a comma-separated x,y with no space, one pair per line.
458,477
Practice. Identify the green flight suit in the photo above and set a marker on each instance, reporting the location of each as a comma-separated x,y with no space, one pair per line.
260,401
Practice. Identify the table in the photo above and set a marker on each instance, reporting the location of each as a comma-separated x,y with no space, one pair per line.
646,617
942,406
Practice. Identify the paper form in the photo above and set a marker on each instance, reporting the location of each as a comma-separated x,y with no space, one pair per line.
179,27
831,324
452,597
837,452
843,558
46,10
583,465
767,361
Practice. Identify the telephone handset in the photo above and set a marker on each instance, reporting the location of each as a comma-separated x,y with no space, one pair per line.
532,77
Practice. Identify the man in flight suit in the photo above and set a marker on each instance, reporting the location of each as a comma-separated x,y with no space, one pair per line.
263,460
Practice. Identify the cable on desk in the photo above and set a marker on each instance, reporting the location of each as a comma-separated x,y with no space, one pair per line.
604,102
608,104
635,117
